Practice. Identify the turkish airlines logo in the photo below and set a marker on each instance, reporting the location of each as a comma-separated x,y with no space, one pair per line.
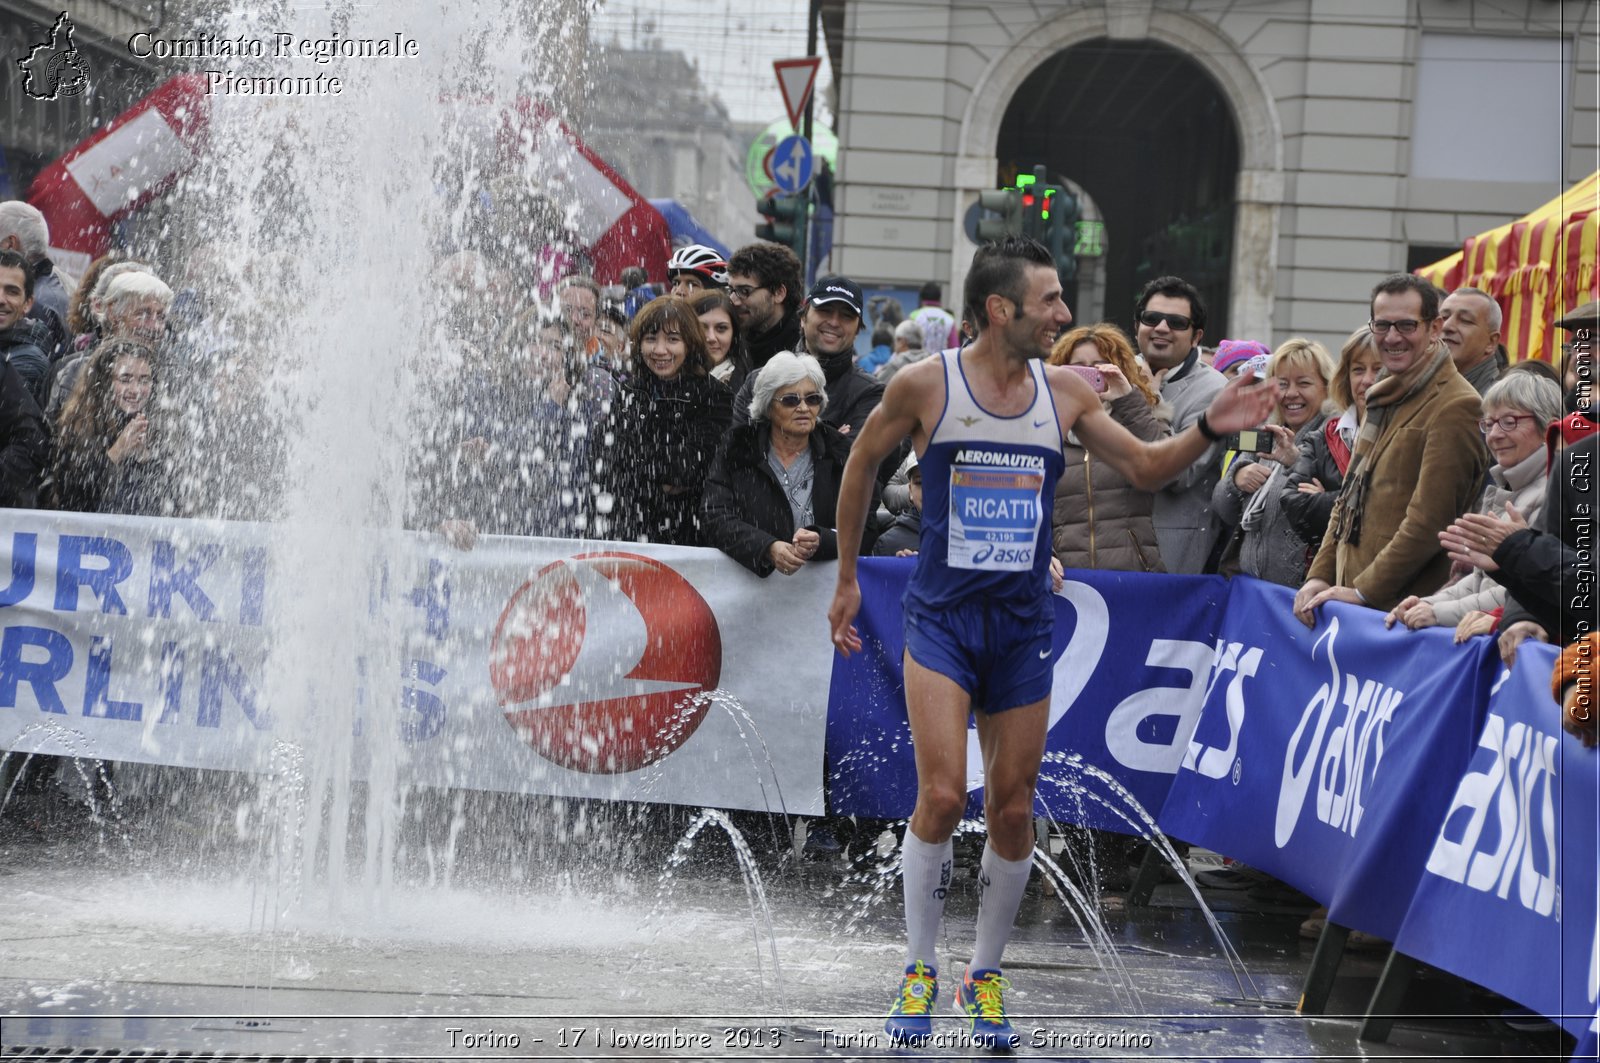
598,660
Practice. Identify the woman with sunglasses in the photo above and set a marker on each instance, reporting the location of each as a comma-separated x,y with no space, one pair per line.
772,493
1516,409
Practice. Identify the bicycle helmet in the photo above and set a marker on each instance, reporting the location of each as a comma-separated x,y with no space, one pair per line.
702,261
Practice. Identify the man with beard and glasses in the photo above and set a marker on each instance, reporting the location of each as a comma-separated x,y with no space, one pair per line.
765,285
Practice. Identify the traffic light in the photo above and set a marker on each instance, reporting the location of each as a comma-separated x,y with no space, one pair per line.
786,222
1035,203
1060,217
1006,202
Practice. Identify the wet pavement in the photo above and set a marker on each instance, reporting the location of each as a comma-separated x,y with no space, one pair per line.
171,939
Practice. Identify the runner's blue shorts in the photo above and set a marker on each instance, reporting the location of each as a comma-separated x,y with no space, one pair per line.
1002,660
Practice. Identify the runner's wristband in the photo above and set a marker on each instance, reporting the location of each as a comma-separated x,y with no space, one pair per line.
1206,429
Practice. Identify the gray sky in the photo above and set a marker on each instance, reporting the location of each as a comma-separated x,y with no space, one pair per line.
735,42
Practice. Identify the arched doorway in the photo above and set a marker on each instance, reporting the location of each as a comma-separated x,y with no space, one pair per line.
1247,308
1148,134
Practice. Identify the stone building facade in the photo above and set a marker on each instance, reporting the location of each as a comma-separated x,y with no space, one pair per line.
658,126
1297,149
34,132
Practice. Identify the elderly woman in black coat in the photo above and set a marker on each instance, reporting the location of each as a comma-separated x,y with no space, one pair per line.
773,491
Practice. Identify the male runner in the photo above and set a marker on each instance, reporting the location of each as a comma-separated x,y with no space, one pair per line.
988,423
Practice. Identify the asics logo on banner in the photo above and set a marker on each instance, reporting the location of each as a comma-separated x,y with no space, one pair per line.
1520,787
1232,657
1345,759
1132,733
600,661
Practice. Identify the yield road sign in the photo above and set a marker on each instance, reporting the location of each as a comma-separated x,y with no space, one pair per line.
795,78
792,163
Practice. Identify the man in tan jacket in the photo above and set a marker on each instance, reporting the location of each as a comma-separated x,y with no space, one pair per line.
1419,463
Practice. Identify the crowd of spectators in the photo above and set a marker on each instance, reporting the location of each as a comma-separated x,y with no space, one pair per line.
1416,473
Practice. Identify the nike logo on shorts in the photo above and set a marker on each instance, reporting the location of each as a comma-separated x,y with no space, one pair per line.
1044,655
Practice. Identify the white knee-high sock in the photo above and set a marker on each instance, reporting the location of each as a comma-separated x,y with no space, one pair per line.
925,869
1003,882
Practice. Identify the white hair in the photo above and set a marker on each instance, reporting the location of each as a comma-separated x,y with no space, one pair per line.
102,283
24,221
134,287
782,370
911,332
1525,392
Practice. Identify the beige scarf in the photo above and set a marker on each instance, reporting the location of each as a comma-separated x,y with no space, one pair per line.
1391,391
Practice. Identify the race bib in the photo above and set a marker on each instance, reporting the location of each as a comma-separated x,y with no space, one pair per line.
994,517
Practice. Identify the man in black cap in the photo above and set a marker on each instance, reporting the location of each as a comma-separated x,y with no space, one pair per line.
828,326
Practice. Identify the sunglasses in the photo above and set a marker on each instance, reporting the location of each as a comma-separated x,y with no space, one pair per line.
792,400
1152,318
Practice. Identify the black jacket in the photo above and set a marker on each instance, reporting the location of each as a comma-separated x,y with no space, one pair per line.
653,455
24,442
786,337
1308,513
26,346
1548,579
745,510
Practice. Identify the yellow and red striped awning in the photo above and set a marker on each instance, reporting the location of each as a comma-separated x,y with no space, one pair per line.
1538,268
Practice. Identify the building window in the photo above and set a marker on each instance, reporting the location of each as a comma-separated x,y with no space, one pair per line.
1485,107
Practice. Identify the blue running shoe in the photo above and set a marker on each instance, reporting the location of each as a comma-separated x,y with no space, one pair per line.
910,1020
979,998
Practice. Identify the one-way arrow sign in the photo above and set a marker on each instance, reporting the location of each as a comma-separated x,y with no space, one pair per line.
795,79
791,164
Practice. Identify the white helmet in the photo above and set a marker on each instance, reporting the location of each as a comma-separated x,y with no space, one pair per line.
704,262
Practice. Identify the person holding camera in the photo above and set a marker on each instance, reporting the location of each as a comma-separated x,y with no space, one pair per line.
1265,543
1101,520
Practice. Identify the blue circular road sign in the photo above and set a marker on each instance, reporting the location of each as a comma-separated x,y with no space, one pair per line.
792,163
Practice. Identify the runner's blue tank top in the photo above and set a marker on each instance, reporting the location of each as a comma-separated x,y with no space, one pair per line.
988,490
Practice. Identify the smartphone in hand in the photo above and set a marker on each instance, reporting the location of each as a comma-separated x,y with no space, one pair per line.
1091,376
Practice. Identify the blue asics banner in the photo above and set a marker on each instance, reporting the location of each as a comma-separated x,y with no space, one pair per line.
1133,655
1328,756
1516,853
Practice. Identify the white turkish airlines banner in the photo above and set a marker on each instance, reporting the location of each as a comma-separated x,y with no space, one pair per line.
584,669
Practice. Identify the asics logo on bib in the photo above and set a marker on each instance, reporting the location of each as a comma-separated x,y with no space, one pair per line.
1519,786
1345,759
